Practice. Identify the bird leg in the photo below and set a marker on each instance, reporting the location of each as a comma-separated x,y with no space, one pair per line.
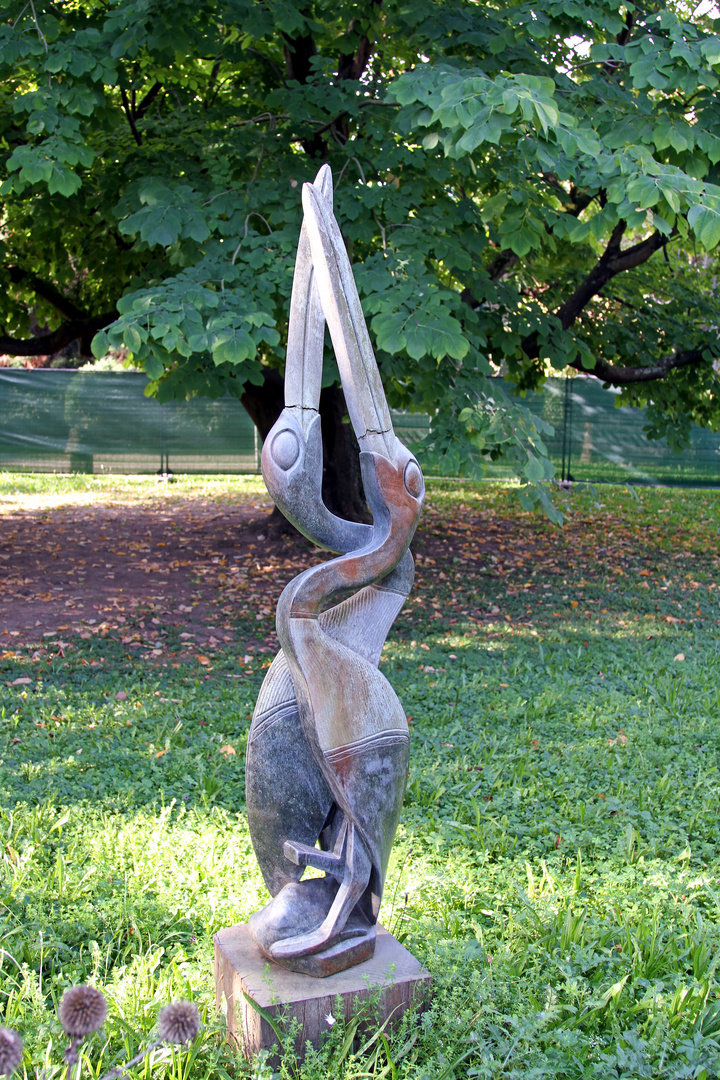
354,865
332,862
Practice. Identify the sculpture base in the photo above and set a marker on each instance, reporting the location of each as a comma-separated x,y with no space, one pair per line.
393,974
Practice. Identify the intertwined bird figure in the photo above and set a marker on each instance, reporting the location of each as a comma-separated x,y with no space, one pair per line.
328,747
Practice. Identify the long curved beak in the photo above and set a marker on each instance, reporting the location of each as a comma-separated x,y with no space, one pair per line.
340,302
306,328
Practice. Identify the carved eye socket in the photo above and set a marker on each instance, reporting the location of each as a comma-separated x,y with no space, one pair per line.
285,449
413,479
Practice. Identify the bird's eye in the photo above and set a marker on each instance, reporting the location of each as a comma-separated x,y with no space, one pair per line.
413,479
285,449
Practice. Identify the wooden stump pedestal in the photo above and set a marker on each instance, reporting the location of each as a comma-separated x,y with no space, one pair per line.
393,974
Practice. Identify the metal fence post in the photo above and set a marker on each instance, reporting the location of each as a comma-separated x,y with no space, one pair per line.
567,432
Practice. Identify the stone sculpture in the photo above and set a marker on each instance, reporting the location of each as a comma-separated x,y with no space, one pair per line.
328,747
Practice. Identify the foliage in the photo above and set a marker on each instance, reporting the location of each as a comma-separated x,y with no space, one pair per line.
558,861
82,1011
517,189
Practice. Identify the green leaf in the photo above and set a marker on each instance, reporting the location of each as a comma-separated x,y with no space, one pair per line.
494,207
643,192
671,197
510,101
522,240
100,345
36,172
132,339
272,1021
389,330
547,114
534,470
418,341
163,228
154,367
233,347
705,223
662,225
710,49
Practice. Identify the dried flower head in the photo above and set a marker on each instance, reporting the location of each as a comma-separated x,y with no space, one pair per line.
179,1022
82,1010
10,1050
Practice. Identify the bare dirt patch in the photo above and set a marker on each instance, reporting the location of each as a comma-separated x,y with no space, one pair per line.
204,567
82,566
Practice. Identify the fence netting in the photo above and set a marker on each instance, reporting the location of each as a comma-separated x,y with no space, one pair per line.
594,441
96,422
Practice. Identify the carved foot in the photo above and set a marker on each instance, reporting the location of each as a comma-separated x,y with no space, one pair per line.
338,957
300,908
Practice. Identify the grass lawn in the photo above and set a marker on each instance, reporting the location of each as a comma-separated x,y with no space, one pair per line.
557,865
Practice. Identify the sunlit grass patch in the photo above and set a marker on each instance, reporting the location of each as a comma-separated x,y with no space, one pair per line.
50,491
557,865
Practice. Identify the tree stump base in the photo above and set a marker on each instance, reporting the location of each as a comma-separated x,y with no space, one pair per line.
393,976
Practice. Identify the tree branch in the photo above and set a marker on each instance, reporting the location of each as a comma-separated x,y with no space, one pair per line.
263,118
617,375
612,262
500,265
128,113
574,201
47,292
147,101
299,52
506,259
624,35
66,333
361,105
352,65
210,90
611,66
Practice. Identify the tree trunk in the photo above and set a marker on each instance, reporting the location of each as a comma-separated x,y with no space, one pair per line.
264,403
342,483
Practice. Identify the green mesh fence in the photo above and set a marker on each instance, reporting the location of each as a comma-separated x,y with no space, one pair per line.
97,421
60,421
75,421
596,442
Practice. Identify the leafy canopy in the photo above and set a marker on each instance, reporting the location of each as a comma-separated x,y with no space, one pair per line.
518,188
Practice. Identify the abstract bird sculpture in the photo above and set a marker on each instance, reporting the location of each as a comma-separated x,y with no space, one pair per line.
328,748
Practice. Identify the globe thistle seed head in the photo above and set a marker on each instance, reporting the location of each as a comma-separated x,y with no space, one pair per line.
82,1010
179,1022
10,1050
